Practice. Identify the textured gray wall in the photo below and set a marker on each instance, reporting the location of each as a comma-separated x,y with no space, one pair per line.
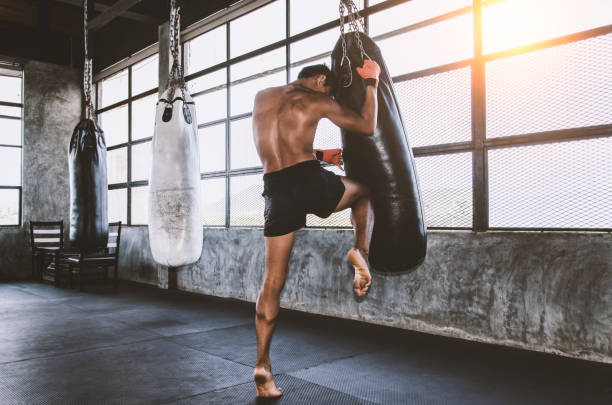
52,107
549,292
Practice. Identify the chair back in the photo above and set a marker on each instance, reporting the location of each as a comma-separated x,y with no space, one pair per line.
114,238
47,234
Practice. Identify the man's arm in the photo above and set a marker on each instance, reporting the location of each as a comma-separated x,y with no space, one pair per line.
365,122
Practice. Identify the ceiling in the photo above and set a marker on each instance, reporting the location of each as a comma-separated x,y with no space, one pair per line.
52,30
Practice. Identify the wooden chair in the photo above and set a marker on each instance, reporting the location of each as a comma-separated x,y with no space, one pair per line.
88,264
47,240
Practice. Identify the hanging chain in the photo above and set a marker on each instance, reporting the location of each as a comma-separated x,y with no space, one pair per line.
87,69
348,9
177,77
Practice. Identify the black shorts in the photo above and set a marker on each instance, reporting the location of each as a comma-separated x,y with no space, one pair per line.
293,192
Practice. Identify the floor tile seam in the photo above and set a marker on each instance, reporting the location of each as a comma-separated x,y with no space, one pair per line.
209,353
335,360
367,400
329,388
83,350
210,330
205,392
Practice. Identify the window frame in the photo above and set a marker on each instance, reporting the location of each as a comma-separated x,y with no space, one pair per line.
478,145
128,184
18,73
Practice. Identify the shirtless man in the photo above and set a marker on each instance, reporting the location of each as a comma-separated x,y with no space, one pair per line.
284,123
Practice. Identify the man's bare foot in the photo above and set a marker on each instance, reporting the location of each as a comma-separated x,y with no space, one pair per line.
363,279
264,382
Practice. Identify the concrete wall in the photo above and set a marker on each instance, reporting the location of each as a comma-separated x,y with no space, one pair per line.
549,292
52,107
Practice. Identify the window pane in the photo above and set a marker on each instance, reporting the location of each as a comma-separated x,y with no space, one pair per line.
10,89
211,106
213,201
143,117
315,45
437,108
140,205
243,94
446,189
567,86
557,185
9,207
145,75
257,28
312,13
10,166
114,123
246,202
10,111
117,165
410,13
114,89
214,79
430,46
206,50
212,148
117,205
141,161
259,64
242,148
539,20
10,131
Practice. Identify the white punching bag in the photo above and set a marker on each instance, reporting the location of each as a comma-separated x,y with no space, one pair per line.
175,223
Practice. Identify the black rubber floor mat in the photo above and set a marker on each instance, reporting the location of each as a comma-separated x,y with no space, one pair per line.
295,392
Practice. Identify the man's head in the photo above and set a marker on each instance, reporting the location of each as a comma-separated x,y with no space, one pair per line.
318,78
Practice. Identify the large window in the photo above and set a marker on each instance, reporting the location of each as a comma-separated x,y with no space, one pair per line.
126,113
506,104
11,118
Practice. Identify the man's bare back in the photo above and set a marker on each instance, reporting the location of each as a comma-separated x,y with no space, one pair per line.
284,125
285,120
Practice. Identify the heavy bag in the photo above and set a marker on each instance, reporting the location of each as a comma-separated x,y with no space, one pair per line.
88,187
384,162
175,223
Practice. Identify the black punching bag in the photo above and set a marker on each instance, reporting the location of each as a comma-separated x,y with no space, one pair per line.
88,187
384,162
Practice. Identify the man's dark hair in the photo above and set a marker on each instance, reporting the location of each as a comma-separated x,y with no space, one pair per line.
314,70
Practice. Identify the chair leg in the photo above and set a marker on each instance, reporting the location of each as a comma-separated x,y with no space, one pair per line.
115,271
56,281
70,275
81,277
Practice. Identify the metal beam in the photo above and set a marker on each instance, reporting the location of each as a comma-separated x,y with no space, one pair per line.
130,15
116,10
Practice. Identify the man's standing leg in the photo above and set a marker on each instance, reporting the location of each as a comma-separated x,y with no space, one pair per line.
278,251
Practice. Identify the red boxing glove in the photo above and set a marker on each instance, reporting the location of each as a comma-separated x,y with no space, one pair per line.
369,70
333,156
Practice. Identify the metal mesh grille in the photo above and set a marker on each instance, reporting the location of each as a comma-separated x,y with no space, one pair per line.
337,219
558,185
446,189
566,86
246,202
327,135
436,109
213,201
